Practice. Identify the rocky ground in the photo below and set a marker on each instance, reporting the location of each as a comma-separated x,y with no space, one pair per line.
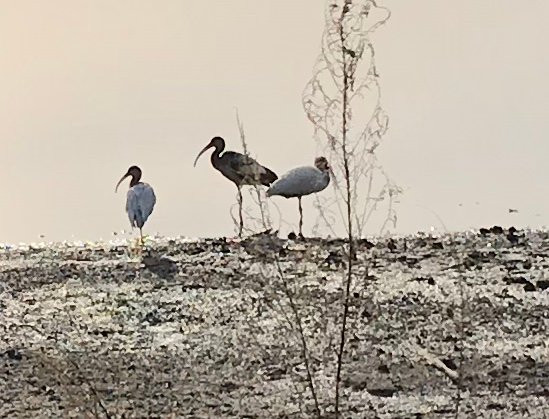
208,328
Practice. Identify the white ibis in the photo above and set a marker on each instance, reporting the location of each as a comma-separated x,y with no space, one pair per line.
140,199
302,181
239,169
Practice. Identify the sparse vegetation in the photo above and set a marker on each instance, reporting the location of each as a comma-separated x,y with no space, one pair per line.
345,81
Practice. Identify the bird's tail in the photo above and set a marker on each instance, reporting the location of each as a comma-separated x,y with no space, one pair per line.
268,177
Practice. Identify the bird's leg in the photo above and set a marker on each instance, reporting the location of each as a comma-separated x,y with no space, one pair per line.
300,217
141,242
240,218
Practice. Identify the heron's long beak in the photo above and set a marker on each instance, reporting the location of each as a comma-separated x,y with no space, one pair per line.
120,181
202,152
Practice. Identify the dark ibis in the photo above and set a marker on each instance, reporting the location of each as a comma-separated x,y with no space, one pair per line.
238,168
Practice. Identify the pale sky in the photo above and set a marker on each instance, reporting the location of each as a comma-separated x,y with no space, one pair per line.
90,88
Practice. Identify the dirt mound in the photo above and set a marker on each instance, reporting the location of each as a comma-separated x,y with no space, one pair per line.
204,328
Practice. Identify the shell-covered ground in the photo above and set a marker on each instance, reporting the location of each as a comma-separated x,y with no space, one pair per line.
211,328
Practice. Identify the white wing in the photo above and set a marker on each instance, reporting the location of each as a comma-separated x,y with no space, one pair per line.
300,181
140,203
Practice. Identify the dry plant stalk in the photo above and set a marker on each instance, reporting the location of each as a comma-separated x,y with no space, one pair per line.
264,222
305,353
257,195
343,101
62,372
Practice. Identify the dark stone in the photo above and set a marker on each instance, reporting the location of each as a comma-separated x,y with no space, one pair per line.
365,243
382,392
229,386
450,363
543,284
497,230
292,236
429,280
371,278
161,266
529,287
513,238
334,258
195,250
14,354
484,231
438,245
412,261
516,280
152,318
383,369
475,255
224,249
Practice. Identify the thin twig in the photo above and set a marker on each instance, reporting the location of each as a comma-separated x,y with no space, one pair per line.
304,348
348,202
461,337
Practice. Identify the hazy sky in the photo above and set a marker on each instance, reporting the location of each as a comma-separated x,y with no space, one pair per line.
90,88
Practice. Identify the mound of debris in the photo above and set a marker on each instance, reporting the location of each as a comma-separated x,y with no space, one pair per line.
209,328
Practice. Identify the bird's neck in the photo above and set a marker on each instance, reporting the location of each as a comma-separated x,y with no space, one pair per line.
134,181
216,156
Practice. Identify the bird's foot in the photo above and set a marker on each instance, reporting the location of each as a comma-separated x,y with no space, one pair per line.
136,248
293,236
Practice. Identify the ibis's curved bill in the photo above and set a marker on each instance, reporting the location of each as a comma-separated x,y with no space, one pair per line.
210,145
121,180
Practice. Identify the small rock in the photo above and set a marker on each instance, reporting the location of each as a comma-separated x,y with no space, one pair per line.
529,287
512,238
383,369
497,230
450,363
333,258
366,243
543,284
382,392
429,280
516,280
14,354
